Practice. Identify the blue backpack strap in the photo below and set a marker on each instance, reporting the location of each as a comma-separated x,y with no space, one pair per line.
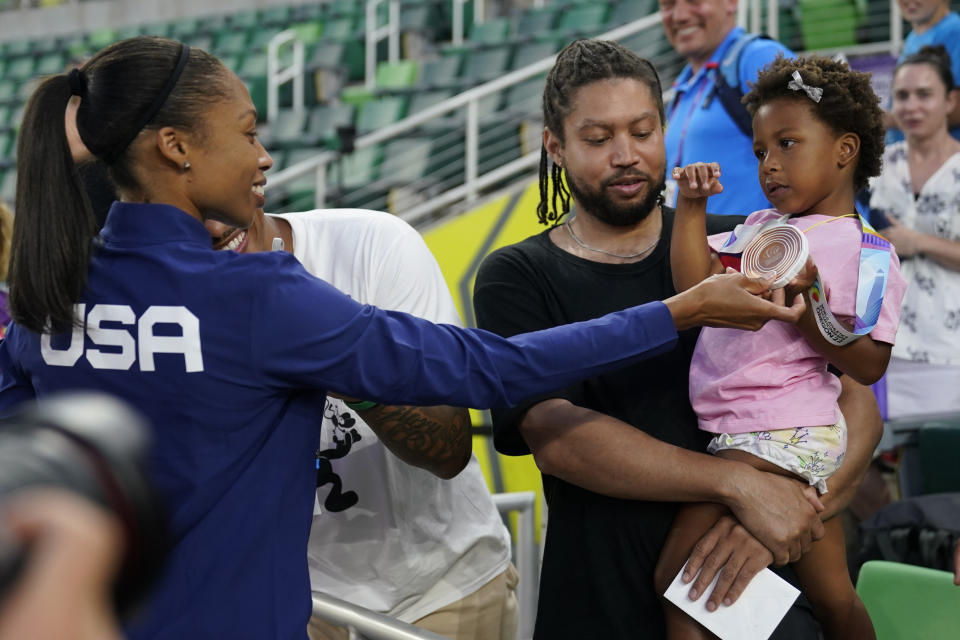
727,82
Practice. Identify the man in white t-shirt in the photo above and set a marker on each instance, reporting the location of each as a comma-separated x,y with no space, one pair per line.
389,533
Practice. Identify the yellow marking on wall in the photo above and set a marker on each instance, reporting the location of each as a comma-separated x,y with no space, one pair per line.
459,244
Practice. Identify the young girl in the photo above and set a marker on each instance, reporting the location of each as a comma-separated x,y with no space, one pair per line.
768,397
230,356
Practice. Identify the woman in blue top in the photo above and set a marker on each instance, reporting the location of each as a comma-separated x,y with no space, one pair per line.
231,355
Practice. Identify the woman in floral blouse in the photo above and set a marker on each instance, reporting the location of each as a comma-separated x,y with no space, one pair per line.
918,192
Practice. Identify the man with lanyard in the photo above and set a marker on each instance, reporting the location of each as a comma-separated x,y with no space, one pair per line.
699,127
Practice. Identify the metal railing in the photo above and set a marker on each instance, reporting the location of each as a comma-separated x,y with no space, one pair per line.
526,557
457,29
276,75
375,33
377,626
370,624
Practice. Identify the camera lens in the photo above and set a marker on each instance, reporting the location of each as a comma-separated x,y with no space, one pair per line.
92,445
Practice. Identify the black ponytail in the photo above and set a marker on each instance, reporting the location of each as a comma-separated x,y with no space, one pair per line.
54,223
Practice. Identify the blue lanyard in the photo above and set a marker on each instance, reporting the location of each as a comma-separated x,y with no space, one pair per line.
703,84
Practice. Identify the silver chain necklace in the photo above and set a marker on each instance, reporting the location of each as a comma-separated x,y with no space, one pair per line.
604,251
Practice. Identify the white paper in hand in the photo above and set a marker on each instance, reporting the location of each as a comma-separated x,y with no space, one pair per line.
754,616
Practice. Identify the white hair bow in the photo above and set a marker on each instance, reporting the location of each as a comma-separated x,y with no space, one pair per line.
814,93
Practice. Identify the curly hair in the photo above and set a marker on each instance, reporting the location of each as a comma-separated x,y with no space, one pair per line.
848,105
583,62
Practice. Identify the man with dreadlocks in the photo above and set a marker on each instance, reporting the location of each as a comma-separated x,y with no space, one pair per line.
618,450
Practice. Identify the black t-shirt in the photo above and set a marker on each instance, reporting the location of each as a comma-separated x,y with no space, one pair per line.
600,552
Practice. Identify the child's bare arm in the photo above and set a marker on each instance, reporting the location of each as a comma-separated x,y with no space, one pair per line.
864,359
691,259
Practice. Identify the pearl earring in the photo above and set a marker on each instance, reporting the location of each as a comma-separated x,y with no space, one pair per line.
186,165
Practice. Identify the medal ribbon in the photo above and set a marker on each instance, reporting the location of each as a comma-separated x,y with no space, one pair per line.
871,281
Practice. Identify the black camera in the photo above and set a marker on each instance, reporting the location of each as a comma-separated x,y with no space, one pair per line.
91,445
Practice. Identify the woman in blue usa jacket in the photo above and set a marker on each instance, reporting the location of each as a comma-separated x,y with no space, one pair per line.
231,355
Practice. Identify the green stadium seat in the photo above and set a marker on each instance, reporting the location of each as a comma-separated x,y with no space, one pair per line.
424,18
397,75
287,131
909,603
275,16
523,99
261,38
211,24
100,38
360,171
232,61
230,41
326,54
247,19
448,155
50,64
380,112
304,12
8,90
530,52
492,31
322,124
44,46
500,144
341,28
627,11
485,64
185,28
440,73
406,160
343,8
420,100
254,65
648,43
14,48
827,24
535,21
76,46
304,186
308,32
389,76
583,19
20,68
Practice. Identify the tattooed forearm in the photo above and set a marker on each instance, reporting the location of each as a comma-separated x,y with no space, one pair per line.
437,439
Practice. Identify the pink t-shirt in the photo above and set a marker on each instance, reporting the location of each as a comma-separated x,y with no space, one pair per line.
743,381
